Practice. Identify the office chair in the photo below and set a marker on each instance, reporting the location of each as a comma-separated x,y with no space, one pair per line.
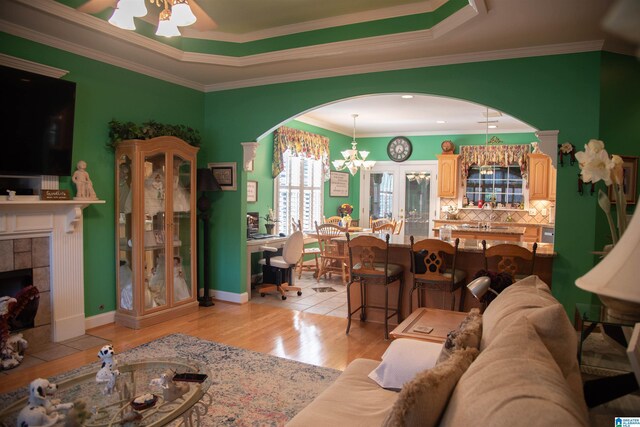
277,271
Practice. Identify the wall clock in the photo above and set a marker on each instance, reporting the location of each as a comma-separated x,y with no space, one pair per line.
399,149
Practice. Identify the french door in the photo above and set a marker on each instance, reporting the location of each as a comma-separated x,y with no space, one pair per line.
406,191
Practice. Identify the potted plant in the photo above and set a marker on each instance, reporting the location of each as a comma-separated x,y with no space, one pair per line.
271,220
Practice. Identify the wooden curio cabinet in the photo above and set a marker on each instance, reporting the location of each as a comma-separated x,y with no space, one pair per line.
155,230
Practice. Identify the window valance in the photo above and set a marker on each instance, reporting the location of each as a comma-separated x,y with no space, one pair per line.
300,144
501,155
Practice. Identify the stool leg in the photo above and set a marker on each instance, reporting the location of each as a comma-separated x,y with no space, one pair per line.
349,306
363,295
411,299
399,306
386,312
317,266
463,292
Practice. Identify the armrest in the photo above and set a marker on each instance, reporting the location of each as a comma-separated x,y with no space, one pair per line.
268,248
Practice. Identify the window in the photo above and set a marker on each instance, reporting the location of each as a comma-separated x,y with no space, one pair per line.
503,183
299,193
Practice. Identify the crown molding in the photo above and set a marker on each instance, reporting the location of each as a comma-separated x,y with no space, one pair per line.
54,42
322,124
319,24
32,67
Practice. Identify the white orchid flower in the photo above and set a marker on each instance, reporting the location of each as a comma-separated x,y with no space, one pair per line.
595,165
595,145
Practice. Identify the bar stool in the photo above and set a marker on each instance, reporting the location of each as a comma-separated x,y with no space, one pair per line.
512,259
367,272
430,271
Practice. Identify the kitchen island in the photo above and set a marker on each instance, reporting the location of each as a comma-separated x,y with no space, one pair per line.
493,232
469,259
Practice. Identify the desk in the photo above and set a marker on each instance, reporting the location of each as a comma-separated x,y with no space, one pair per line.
253,246
442,322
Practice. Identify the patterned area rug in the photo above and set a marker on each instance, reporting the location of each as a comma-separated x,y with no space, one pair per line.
248,388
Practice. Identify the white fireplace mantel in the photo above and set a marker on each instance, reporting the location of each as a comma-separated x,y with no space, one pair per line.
61,220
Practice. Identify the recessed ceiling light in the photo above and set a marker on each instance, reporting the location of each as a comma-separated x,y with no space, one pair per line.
440,121
492,126
407,96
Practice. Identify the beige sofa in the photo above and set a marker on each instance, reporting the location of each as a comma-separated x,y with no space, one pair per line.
526,373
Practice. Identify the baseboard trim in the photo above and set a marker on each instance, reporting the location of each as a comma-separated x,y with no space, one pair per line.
242,298
99,320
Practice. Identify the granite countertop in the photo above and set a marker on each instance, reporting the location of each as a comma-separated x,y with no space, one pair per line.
499,223
495,229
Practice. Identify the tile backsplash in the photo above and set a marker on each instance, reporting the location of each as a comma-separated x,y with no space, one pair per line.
522,216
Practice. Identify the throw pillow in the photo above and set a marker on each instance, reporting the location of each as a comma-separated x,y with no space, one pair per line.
467,334
422,401
403,360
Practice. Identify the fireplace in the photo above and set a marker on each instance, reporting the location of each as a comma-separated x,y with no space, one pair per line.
18,284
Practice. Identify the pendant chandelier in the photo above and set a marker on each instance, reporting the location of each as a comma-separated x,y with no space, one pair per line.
176,13
354,159
486,169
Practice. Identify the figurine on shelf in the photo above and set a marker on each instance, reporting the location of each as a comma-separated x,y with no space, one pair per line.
126,290
180,287
157,284
108,372
535,148
41,409
124,181
83,183
154,193
12,195
181,195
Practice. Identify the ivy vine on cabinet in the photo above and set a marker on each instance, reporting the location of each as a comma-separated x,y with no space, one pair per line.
155,230
448,175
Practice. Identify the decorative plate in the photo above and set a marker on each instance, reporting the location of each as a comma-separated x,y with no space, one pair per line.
399,149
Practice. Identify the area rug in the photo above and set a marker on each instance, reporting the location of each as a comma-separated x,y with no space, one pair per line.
248,388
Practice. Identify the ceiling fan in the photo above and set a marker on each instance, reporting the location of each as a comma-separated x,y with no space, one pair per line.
203,21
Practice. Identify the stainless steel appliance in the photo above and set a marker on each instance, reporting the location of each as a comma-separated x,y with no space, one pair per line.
548,234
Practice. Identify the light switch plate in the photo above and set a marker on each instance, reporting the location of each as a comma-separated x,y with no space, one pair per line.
544,211
532,212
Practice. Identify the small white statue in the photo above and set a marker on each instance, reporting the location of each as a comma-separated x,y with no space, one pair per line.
181,289
41,410
109,372
83,183
12,195
535,149
170,389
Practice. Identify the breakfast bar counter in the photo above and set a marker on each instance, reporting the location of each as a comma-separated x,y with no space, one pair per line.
469,259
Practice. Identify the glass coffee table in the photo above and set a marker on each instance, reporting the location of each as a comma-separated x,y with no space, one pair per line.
134,380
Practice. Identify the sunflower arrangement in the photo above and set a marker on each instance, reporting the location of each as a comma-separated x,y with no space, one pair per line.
345,209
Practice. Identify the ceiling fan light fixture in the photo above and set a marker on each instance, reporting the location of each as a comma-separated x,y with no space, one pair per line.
181,13
165,27
135,8
122,18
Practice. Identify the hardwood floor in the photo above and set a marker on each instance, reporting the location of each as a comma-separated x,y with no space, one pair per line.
305,337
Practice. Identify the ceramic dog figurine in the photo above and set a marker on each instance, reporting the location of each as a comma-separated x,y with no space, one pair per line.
109,372
41,410
170,389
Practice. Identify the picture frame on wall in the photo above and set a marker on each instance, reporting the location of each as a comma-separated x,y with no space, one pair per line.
339,184
629,180
252,191
225,174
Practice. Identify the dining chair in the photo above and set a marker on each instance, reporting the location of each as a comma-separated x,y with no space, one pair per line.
277,271
378,222
387,227
332,220
433,266
332,255
300,267
509,258
398,229
369,266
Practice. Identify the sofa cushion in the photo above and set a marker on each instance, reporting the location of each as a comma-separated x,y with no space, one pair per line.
353,399
467,334
517,300
423,399
404,359
514,380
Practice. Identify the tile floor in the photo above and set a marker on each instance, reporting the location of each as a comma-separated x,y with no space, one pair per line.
311,301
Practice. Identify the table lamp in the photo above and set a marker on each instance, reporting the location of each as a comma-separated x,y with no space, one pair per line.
205,183
480,286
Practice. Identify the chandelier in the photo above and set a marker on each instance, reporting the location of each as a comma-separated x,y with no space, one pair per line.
486,169
354,159
179,14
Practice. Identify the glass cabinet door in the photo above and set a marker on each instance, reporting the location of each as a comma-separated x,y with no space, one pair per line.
154,208
182,253
125,239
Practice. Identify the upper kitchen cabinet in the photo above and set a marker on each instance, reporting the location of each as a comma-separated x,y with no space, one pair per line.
448,175
539,166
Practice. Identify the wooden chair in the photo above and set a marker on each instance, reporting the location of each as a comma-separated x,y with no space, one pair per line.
513,259
332,220
429,266
332,258
387,227
277,271
367,272
297,226
378,222
398,228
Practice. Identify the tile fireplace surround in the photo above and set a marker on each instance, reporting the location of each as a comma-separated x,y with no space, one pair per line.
48,236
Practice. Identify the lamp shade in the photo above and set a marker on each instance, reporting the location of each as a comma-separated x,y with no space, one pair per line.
166,28
480,286
122,19
618,274
181,14
206,181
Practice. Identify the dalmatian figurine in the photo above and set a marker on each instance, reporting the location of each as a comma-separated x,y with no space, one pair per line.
109,372
41,411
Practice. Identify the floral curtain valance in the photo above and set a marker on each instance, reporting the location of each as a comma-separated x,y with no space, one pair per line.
301,144
500,155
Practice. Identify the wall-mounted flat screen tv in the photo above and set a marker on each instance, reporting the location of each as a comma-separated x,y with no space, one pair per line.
36,118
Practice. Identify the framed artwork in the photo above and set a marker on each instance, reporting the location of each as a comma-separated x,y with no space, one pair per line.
252,191
339,184
225,174
629,180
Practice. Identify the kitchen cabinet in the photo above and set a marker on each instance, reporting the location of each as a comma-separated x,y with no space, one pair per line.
553,176
155,231
448,174
539,165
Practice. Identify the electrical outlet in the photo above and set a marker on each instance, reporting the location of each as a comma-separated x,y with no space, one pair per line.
532,212
544,212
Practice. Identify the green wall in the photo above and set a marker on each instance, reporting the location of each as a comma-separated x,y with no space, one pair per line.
584,96
104,92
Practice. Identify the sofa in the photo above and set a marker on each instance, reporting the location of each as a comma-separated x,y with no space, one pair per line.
522,370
